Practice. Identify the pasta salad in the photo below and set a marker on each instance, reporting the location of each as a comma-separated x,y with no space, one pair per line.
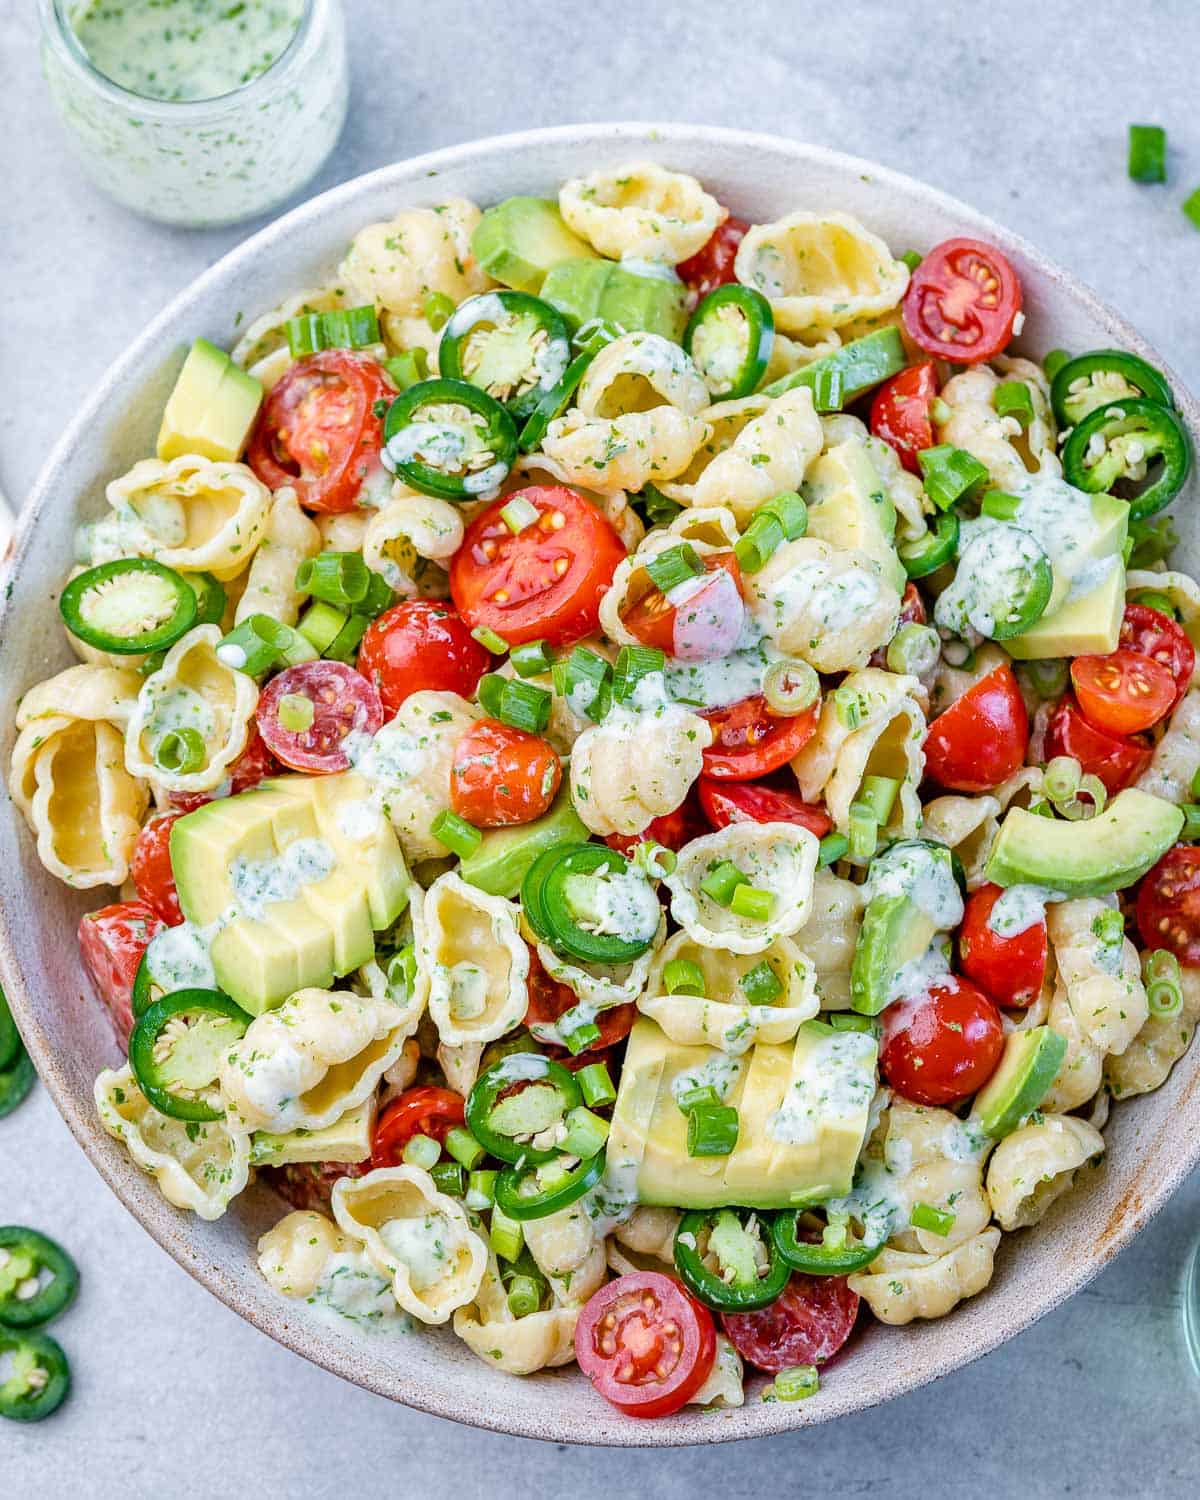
650,765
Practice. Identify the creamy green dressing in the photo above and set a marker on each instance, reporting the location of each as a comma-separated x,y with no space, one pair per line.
836,1084
258,883
184,49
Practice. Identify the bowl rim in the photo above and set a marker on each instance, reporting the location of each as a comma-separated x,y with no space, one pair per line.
155,1215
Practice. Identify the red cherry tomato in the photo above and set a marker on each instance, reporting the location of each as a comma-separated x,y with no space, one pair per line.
645,1343
318,430
961,302
673,830
653,620
1168,904
111,943
942,1045
502,776
749,740
1122,692
546,582
980,740
548,1000
151,869
1009,969
253,765
343,701
900,413
807,1324
421,644
425,1111
712,264
726,802
1158,636
1118,762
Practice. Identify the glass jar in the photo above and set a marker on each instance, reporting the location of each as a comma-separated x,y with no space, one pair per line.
211,161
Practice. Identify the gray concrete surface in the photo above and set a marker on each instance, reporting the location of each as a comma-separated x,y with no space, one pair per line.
1021,109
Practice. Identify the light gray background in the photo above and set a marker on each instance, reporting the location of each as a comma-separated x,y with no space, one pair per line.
1018,108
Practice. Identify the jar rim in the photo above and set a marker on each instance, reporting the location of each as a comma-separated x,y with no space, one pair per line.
57,28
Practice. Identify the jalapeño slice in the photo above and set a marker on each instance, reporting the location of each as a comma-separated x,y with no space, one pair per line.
513,346
129,607
176,1047
1124,442
449,439
729,337
38,1279
516,1098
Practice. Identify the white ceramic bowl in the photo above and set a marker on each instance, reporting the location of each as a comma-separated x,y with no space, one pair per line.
1151,1148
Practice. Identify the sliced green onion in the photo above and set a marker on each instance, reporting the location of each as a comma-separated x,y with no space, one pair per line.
797,1383
438,309
1108,927
674,566
505,1235
521,705
1190,832
753,904
481,1190
1152,599
701,1097
489,640
935,1220
524,1296
1000,505
1147,153
783,518
463,1147
1061,777
848,1020
321,624
304,335
827,389
878,794
1191,208
1164,982
1012,398
596,1085
1196,785
180,751
400,971
577,1032
378,598
634,663
683,976
1054,362
295,712
833,846
459,836
586,1133
246,650
848,707
721,882
950,474
518,514
1048,677
654,860
421,1151
911,258
862,832
409,368
914,649
350,328
340,578
531,659
712,1130
791,687
449,1177
588,683
344,646
940,411
761,985
657,508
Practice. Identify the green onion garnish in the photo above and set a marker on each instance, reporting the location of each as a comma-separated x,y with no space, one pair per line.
340,578
586,1132
848,707
796,1384
524,1296
935,1220
657,508
577,1033
834,846
1191,207
674,566
506,1236
421,1151
596,1085
400,971
1108,927
914,648
749,902
459,836
180,751
463,1147
911,258
518,514
1054,362
1164,982
721,882
481,1190
827,390
521,705
296,713
489,640
438,309
862,833
781,519
351,328
1190,832
761,985
1012,399
344,646
634,663
321,624
682,976
950,474
1147,153
588,683
304,335
1000,506
712,1130
449,1177
406,369
531,659
791,687
878,794
699,1097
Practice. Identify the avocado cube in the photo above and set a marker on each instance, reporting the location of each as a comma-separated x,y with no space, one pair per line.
1027,1070
519,240
212,408
848,507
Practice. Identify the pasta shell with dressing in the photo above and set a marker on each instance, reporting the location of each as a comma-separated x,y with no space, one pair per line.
518,1346
779,858
1035,1165
475,961
640,211
900,1285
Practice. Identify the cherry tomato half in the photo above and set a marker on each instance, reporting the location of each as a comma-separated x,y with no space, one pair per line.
111,943
1168,904
1118,762
1010,970
712,264
546,582
961,302
706,627
308,1185
318,431
253,765
418,645
673,830
943,1045
151,870
807,1324
1158,636
343,702
502,776
749,740
1122,692
645,1343
548,1000
980,740
900,413
425,1111
726,802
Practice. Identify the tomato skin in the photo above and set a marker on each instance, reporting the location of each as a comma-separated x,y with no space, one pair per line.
726,802
653,621
1118,762
1159,637
547,581
712,264
1123,692
622,1358
151,870
672,830
943,1045
980,740
111,943
961,302
807,1324
344,702
900,413
427,1111
1010,970
749,740
548,1000
421,644
1168,905
308,1185
317,430
253,765
502,776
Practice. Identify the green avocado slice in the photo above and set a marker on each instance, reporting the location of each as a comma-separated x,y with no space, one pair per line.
1027,1070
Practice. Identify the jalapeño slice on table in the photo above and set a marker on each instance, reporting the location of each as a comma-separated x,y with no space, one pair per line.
39,1377
38,1279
